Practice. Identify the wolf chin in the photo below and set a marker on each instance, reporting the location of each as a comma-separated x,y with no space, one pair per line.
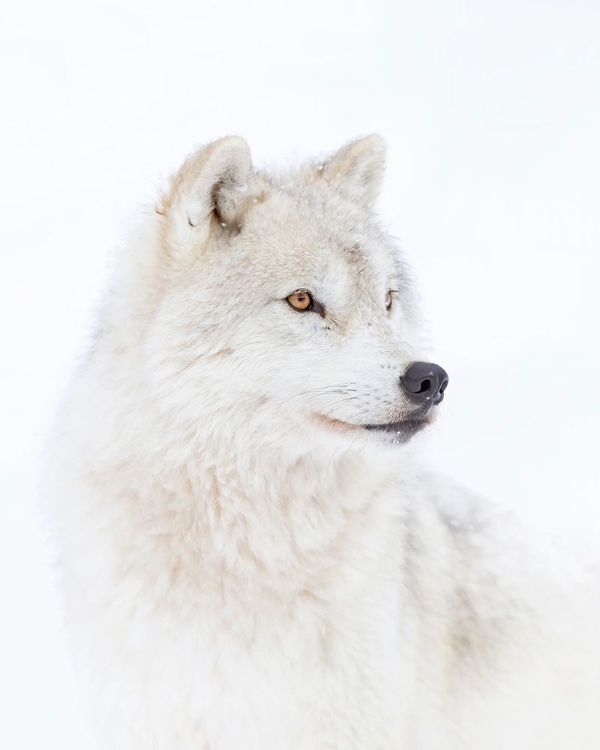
252,555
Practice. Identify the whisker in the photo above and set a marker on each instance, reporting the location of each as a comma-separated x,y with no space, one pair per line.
324,389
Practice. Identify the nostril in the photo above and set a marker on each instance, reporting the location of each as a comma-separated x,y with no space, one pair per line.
425,386
444,385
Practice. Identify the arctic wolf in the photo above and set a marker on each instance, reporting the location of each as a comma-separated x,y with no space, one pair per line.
253,557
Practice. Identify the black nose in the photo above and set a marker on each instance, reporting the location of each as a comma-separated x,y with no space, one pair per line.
425,382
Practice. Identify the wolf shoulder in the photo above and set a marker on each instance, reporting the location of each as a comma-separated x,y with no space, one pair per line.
508,620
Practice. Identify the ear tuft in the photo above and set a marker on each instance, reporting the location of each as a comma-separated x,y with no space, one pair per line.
357,169
212,183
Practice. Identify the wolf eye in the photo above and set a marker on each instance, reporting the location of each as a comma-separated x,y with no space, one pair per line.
300,300
388,300
303,301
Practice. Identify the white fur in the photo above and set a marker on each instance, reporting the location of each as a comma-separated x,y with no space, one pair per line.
245,566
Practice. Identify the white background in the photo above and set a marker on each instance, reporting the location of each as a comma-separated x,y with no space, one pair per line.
492,115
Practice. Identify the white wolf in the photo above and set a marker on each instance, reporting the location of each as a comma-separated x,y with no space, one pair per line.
252,556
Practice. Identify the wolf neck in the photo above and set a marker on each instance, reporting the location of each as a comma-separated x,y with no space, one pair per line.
273,521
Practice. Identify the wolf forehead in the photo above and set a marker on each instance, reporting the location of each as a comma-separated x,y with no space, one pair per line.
316,219
311,234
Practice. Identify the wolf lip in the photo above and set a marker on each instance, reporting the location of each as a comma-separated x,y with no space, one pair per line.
406,428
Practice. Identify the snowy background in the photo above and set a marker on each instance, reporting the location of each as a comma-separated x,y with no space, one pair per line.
492,115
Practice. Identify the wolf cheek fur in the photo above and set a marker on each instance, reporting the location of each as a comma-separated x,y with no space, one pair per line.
245,564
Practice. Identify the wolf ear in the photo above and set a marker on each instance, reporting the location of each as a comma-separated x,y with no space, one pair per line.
356,170
209,189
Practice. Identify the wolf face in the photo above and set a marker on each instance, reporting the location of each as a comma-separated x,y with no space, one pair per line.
284,303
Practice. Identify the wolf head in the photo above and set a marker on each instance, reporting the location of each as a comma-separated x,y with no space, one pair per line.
276,306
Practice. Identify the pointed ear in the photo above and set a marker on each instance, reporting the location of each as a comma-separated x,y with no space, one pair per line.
356,170
210,189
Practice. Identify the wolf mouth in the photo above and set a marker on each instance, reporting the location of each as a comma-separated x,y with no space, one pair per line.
400,430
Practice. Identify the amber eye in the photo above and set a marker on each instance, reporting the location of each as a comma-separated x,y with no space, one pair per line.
301,300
